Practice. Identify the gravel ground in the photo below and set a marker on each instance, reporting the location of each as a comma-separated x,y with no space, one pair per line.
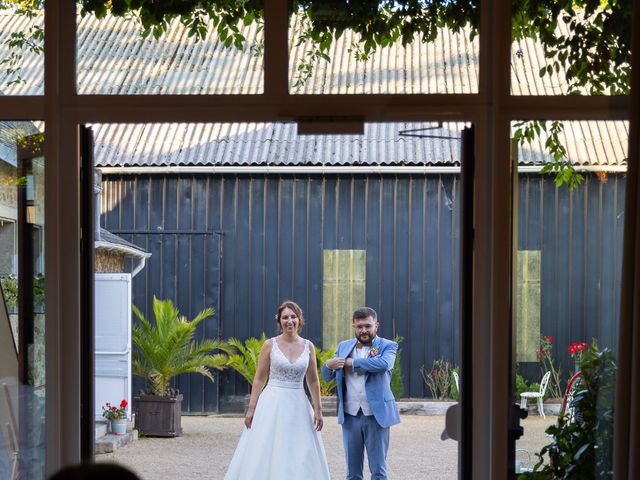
206,447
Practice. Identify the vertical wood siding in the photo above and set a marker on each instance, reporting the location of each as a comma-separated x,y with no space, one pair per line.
579,234
275,228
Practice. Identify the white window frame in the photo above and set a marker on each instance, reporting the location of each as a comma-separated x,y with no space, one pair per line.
491,110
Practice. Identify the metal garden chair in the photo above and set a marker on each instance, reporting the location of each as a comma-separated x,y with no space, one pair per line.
539,395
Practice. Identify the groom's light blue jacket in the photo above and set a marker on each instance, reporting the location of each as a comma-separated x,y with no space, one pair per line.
378,379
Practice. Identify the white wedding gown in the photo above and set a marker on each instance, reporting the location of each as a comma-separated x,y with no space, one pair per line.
281,443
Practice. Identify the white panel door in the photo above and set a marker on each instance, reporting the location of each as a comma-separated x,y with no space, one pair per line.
113,340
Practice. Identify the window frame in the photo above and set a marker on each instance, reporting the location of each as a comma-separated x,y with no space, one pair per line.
491,110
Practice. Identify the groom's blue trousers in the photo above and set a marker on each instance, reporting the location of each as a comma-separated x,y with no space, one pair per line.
360,432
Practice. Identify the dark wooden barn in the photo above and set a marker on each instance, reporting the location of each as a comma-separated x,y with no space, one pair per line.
243,238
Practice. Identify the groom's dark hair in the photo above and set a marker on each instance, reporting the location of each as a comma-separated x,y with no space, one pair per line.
364,312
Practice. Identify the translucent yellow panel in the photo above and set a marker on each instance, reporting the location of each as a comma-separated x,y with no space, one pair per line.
343,290
528,319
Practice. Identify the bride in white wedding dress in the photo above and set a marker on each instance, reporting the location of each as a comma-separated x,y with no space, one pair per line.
282,440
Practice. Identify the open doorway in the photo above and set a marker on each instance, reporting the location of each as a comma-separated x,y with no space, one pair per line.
251,214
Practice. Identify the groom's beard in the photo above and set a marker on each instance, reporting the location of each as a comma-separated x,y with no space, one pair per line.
365,338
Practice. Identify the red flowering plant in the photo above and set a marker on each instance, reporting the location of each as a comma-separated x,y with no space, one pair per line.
545,357
576,350
111,412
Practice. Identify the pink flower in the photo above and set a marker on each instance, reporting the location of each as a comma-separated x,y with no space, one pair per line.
373,352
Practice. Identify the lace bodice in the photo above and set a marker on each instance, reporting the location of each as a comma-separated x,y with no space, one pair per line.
282,371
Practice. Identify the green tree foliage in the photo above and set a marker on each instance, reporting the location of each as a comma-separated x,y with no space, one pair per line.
244,359
166,349
30,40
593,51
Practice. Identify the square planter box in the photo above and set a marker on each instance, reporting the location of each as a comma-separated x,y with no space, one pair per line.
329,406
158,416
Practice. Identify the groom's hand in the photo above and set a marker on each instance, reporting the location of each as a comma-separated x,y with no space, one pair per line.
335,363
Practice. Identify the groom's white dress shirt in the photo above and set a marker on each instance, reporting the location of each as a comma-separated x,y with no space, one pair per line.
356,396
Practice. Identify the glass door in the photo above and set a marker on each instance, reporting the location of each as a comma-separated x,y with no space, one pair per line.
29,415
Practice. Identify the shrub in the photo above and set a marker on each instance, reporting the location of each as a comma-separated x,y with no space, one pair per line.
245,359
554,388
326,388
439,379
397,382
523,386
582,445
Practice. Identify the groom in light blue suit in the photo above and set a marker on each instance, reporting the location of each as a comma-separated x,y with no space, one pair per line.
366,406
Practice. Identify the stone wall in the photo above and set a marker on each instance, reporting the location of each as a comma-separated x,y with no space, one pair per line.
109,262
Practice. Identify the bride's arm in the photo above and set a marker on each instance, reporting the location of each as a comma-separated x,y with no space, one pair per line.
314,388
259,379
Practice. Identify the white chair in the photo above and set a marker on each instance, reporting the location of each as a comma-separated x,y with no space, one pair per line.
457,380
524,396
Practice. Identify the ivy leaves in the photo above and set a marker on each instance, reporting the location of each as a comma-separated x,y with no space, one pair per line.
563,171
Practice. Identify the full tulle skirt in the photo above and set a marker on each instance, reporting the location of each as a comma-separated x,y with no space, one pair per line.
281,443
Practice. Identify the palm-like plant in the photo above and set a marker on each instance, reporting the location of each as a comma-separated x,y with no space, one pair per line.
326,388
167,348
245,361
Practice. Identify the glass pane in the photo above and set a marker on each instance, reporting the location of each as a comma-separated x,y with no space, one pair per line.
446,63
22,312
21,49
115,59
583,48
239,217
568,279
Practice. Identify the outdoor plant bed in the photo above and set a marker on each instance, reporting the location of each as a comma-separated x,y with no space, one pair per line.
423,406
552,406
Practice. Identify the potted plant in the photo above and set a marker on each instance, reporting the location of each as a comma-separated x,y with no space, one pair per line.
116,416
162,351
244,360
327,389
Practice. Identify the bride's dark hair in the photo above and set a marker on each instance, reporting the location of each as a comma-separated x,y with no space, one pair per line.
296,309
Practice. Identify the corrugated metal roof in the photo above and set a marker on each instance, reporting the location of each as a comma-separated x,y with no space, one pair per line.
269,144
114,59
10,132
588,144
